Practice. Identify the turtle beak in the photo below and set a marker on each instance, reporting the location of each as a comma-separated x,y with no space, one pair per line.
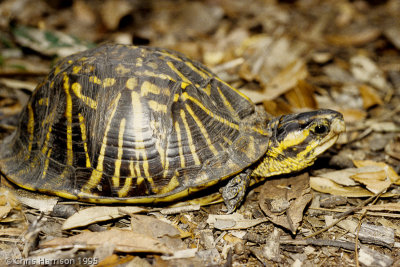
337,127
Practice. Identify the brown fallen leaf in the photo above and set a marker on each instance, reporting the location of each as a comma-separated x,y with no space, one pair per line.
283,200
391,174
374,181
152,226
123,240
286,79
98,214
326,185
393,148
387,206
369,96
232,221
302,96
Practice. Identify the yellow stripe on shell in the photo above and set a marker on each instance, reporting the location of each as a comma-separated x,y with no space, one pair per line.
198,71
30,128
46,164
44,101
202,129
107,82
84,139
131,83
234,89
174,69
137,122
68,115
185,96
148,87
77,89
94,79
180,148
117,168
96,175
46,140
227,103
76,69
192,147
154,75
128,182
122,70
158,107
57,70
172,184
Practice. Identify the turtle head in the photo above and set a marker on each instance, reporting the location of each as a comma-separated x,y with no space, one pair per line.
297,140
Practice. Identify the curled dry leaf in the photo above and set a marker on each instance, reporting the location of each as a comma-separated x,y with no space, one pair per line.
123,240
97,214
153,227
286,79
283,200
326,185
391,174
365,70
376,176
233,221
369,96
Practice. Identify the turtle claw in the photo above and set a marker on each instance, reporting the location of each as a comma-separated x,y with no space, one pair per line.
233,193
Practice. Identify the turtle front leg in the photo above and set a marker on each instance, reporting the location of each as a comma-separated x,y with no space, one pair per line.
233,193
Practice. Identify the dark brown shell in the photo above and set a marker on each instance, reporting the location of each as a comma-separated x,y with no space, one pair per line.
131,124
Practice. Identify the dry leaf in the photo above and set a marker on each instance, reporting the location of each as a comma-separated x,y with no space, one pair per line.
153,227
393,148
374,181
233,221
391,174
367,71
123,240
387,206
352,115
286,79
4,210
98,214
326,185
283,200
369,96
302,96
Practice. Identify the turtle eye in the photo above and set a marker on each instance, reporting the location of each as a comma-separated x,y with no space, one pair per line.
321,129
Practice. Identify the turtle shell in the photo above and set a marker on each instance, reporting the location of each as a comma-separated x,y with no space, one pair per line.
132,124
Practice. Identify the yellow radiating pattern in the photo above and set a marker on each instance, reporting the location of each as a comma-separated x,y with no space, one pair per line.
174,69
84,139
128,182
68,115
131,83
97,173
117,168
77,89
185,96
137,123
190,138
46,164
202,129
30,128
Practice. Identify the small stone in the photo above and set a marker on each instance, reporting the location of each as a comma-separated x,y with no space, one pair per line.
239,248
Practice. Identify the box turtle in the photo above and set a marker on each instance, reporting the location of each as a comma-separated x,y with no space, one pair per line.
132,124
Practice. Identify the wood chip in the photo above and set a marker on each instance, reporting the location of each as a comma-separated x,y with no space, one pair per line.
378,235
370,257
